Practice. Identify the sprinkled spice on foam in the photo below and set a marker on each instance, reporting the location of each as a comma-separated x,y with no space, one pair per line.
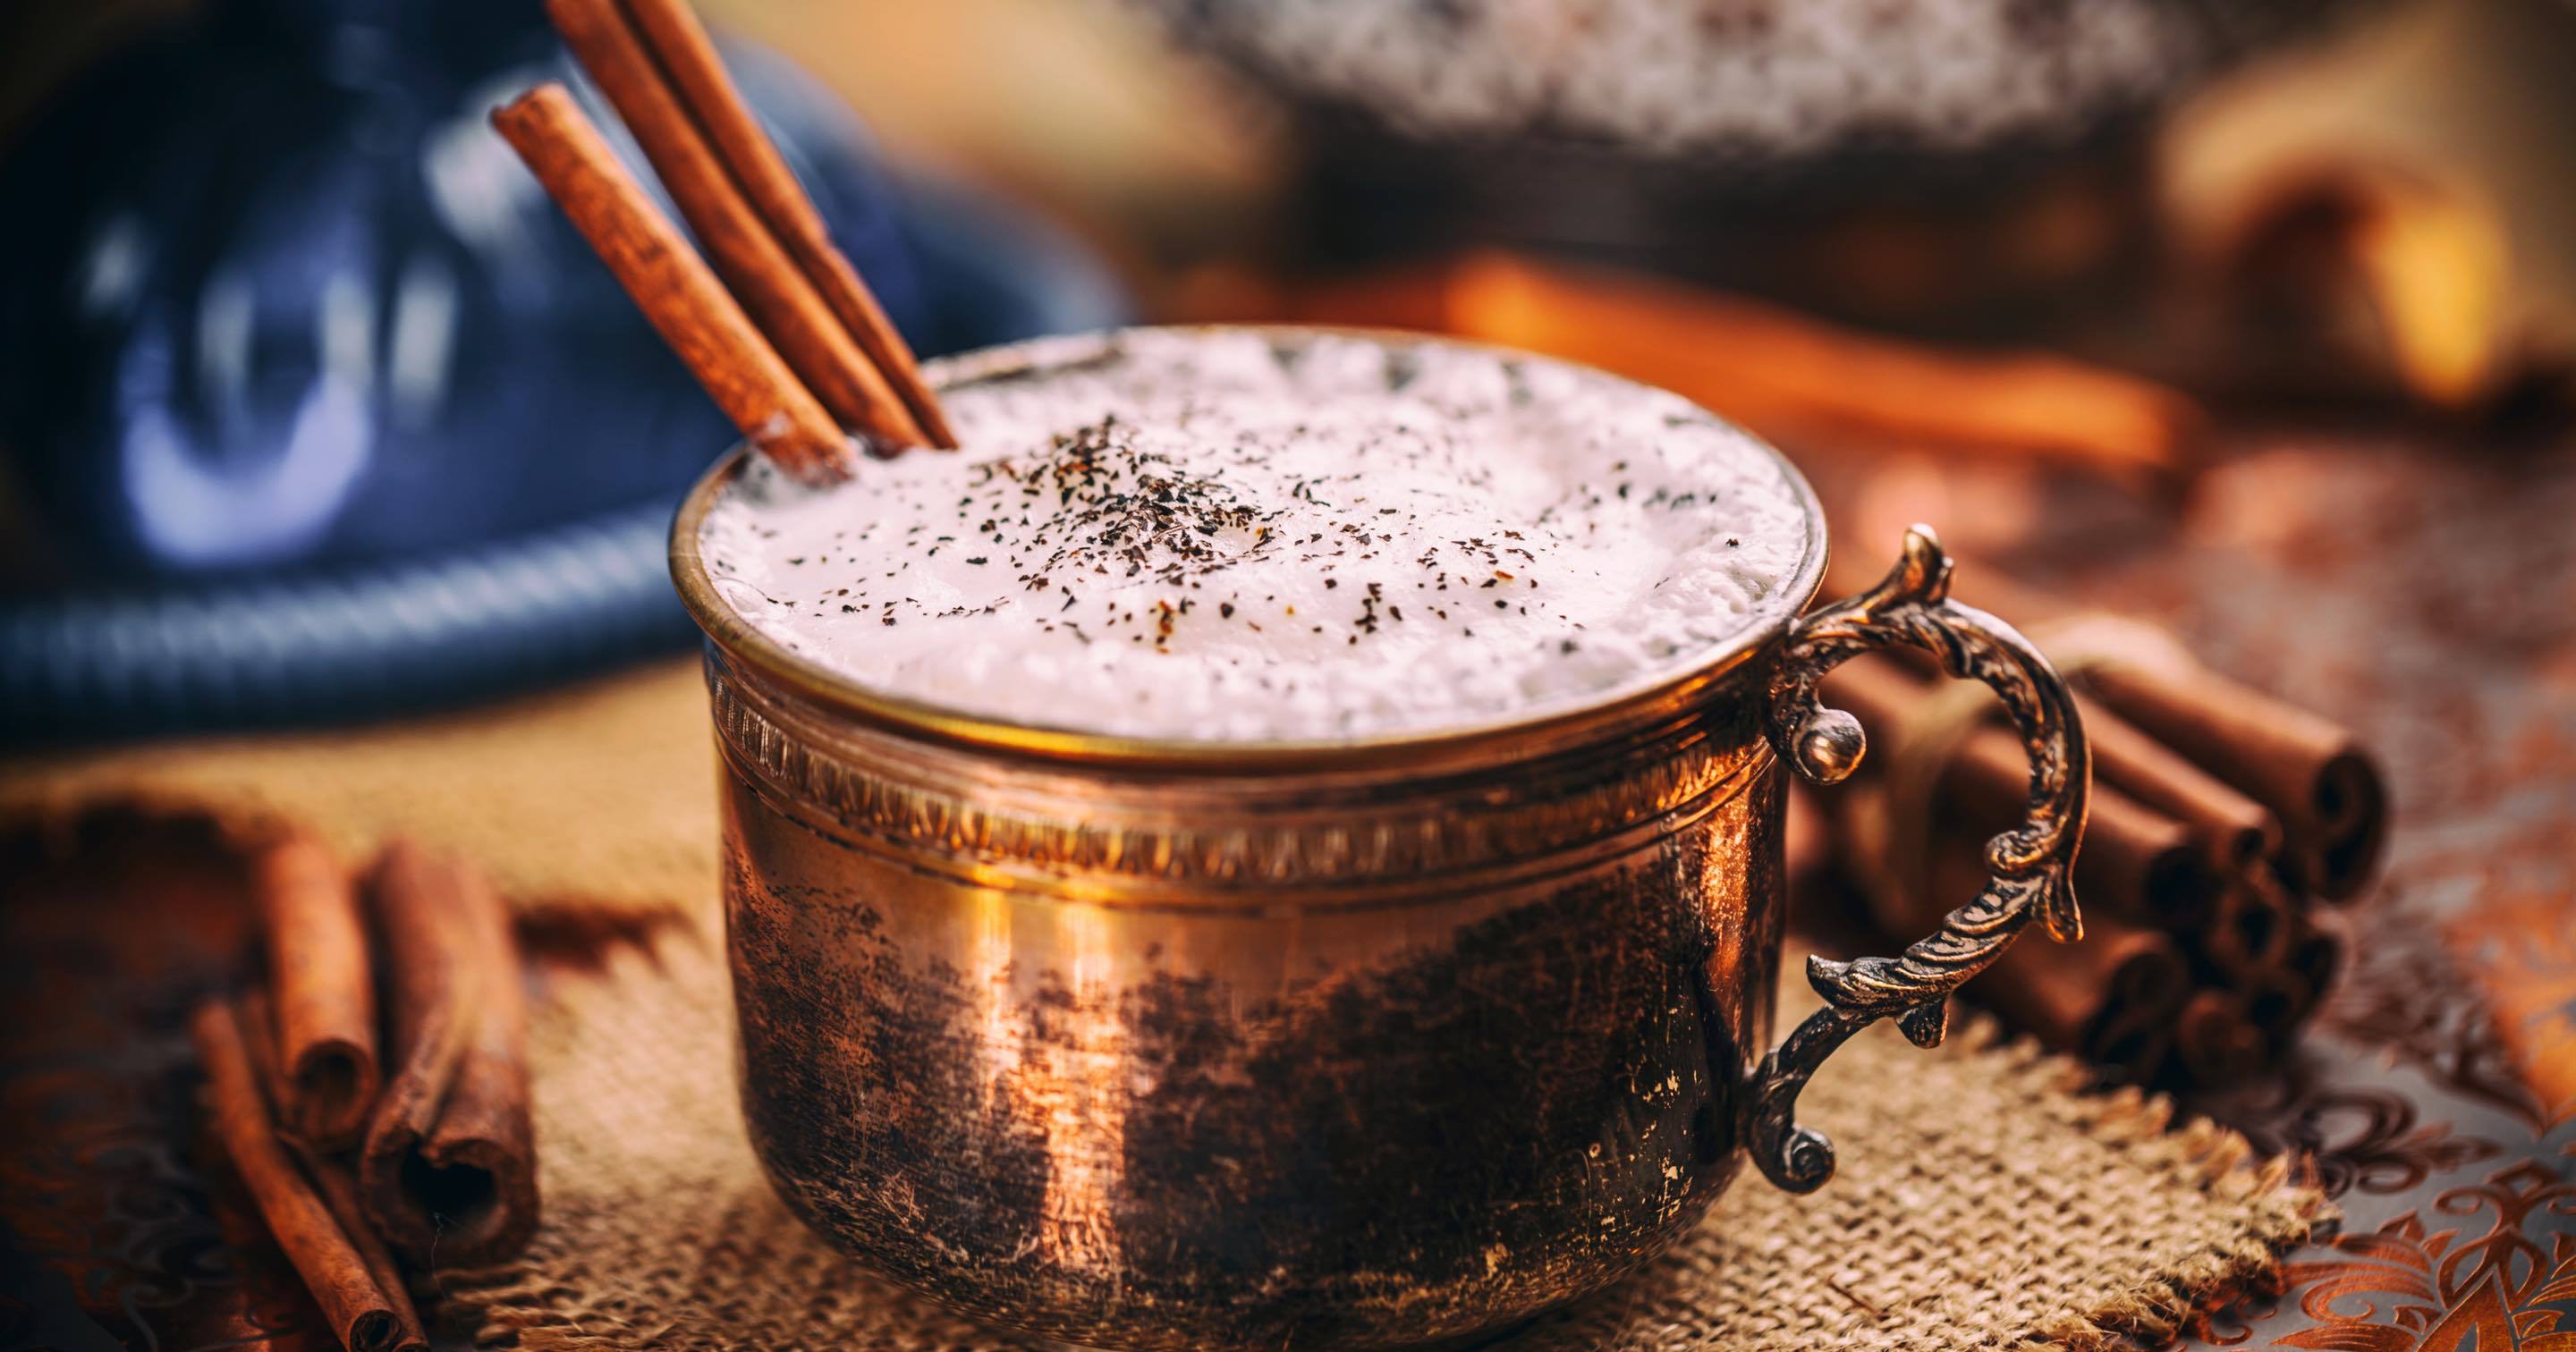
1095,505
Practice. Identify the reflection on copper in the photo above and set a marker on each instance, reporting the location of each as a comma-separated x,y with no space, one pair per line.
1071,1089
988,977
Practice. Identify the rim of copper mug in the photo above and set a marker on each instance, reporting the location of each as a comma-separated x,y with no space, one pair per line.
1642,699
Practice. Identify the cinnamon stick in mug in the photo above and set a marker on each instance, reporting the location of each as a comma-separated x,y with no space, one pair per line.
673,286
324,1031
352,1299
753,262
448,1170
681,48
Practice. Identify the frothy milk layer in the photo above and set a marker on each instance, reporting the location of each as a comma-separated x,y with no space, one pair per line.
1242,537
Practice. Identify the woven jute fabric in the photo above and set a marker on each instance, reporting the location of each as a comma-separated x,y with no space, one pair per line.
600,797
1983,1202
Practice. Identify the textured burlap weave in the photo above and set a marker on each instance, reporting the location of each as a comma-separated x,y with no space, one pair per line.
1982,1203
600,797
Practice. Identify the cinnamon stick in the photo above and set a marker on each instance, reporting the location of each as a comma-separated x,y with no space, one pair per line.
336,1186
2277,1001
2136,864
347,1291
673,286
448,1170
2251,932
2319,786
2283,994
2234,832
2178,873
751,260
2311,773
2216,1040
681,46
2111,997
2315,956
324,1033
1785,375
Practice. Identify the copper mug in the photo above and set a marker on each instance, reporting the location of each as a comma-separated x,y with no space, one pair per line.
1392,1041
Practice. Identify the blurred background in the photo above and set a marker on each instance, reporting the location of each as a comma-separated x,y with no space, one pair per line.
310,406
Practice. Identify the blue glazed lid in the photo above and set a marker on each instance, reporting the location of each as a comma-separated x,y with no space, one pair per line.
313,406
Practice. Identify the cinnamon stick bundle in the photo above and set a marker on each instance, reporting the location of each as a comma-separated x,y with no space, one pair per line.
2232,832
2137,865
324,1031
2311,773
365,1312
2111,997
444,1167
448,1168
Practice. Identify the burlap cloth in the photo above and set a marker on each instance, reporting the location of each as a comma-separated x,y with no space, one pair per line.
1984,1200
599,798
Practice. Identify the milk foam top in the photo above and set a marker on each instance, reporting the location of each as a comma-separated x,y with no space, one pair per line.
1240,536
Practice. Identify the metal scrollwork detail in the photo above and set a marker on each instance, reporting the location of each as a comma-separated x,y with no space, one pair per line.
2032,864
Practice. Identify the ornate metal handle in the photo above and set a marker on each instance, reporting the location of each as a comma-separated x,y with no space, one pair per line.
2032,862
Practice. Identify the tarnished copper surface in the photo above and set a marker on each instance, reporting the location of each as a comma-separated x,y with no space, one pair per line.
1312,1060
